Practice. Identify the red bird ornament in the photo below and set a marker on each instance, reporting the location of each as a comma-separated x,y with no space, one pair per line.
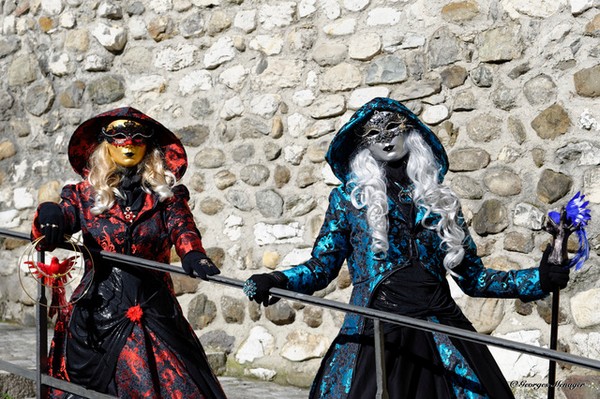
55,270
54,275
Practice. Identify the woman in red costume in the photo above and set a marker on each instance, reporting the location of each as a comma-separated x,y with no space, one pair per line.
126,334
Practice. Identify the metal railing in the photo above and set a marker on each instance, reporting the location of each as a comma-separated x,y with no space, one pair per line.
43,380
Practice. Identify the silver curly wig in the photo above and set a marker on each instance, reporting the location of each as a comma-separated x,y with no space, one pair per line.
370,193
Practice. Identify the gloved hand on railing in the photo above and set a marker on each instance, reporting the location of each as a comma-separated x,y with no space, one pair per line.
51,223
258,285
552,276
198,262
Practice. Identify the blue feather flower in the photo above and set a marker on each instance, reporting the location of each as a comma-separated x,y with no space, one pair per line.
578,216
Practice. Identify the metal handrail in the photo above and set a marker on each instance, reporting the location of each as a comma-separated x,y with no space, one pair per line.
363,311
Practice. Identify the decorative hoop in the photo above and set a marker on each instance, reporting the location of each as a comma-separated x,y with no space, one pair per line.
57,275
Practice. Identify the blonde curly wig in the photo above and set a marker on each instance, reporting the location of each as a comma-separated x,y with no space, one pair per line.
105,177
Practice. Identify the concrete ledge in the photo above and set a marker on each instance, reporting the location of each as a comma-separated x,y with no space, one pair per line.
14,386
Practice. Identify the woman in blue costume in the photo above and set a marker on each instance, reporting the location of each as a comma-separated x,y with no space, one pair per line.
401,230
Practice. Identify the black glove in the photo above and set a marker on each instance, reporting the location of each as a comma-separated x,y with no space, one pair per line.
552,276
258,285
52,223
198,262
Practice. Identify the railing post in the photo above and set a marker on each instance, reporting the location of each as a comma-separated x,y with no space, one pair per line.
553,342
41,336
382,392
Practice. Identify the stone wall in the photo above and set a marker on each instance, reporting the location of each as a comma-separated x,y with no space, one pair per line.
257,89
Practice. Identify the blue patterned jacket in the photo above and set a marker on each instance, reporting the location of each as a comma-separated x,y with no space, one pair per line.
345,236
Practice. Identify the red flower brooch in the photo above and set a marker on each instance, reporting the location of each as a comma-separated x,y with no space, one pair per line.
135,313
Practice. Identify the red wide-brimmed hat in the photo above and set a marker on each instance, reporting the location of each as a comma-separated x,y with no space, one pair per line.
86,138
